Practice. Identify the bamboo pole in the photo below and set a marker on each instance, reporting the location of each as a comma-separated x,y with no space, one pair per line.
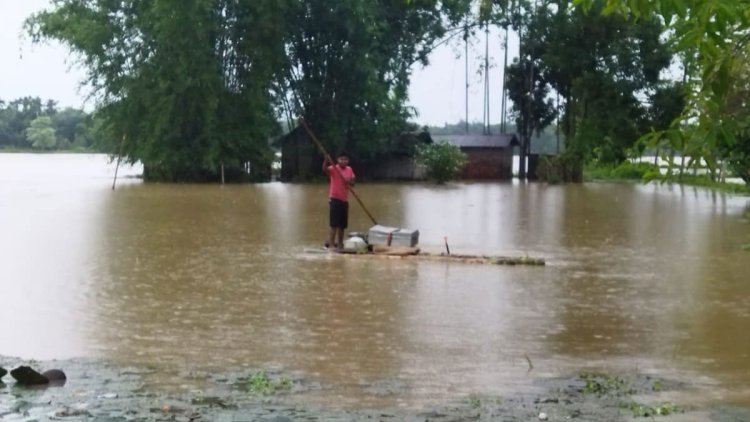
119,157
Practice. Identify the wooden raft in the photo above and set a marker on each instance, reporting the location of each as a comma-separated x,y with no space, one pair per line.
405,252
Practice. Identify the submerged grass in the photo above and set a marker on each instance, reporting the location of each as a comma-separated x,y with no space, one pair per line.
602,384
474,401
705,182
621,172
261,384
646,172
644,411
614,387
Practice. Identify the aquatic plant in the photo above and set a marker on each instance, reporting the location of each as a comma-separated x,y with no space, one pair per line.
602,384
261,384
645,411
474,401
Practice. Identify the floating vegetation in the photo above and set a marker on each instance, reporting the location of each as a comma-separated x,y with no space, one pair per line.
261,384
602,384
645,411
612,386
745,247
474,401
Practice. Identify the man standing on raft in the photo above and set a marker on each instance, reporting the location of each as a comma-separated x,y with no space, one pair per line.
341,177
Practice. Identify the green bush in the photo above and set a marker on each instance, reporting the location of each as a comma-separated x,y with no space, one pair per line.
442,161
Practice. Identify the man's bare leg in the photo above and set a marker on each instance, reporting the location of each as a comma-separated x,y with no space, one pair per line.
331,238
340,237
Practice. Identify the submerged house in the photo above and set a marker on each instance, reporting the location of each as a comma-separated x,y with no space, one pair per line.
399,162
301,160
490,157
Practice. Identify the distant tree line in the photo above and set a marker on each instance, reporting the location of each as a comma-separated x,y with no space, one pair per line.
29,123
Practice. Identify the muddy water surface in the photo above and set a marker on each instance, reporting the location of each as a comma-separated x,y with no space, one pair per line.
183,278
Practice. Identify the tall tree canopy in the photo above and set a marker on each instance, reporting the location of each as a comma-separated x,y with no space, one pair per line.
196,85
603,67
711,35
349,63
41,133
15,118
187,82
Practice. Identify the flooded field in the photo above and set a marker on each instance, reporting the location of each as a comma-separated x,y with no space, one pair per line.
205,278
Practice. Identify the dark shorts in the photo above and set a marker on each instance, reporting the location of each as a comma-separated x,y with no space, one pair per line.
339,215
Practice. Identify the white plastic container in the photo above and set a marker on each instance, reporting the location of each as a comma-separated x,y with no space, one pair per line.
355,244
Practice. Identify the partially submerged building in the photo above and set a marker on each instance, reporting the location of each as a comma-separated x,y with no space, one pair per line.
490,157
301,160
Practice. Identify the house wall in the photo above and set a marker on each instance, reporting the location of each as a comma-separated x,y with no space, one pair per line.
488,163
299,161
392,168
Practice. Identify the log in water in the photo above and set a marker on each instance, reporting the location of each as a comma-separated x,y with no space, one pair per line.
404,252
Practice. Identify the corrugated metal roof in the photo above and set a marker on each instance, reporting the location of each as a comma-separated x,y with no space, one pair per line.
478,141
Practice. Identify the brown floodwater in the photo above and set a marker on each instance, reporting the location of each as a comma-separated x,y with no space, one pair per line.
201,278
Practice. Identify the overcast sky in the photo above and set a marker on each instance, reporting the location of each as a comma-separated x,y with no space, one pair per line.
437,91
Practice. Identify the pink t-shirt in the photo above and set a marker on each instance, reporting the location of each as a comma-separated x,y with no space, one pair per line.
339,189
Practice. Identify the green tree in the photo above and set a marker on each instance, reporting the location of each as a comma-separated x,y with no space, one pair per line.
187,81
442,161
601,66
71,128
736,149
50,107
349,63
196,85
667,103
41,133
15,118
710,34
533,110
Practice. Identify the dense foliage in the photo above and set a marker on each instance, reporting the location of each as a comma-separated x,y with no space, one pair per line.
191,88
30,123
194,86
712,39
349,64
602,67
186,83
736,148
442,161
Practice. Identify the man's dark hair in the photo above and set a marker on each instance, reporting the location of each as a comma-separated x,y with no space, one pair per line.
342,153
